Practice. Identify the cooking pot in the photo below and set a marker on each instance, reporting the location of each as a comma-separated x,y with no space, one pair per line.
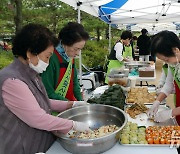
95,115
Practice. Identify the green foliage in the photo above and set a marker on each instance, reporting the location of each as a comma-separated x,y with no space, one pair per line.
93,54
54,15
6,57
48,13
6,17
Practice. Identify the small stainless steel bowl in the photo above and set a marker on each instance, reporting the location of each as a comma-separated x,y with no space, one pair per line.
95,115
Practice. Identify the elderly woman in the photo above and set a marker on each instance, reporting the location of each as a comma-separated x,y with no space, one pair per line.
26,123
166,46
60,78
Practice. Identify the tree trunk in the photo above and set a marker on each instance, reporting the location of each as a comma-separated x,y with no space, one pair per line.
98,33
107,33
18,14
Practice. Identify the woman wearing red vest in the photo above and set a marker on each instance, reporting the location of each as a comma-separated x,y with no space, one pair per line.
166,46
60,78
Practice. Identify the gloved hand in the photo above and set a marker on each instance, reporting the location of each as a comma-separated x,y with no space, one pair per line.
79,103
153,110
81,126
163,115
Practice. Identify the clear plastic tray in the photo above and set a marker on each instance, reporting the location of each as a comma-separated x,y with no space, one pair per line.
150,90
142,120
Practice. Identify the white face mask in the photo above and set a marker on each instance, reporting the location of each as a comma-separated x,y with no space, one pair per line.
40,67
174,65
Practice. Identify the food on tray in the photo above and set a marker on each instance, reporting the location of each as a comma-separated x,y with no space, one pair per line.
140,95
122,82
136,109
132,134
114,96
163,134
102,131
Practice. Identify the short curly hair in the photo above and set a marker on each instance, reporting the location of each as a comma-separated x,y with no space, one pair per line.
72,33
126,35
34,38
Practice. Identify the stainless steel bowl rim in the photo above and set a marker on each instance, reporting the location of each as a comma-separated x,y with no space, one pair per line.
99,138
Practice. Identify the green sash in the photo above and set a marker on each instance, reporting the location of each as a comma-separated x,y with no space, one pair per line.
176,78
63,86
165,69
177,81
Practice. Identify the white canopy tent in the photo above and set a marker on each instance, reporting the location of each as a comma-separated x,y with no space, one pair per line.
89,6
123,12
152,28
147,11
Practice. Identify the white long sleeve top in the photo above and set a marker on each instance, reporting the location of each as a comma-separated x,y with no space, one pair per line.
168,87
119,48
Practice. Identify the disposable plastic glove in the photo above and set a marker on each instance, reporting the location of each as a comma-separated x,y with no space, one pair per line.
79,103
163,115
81,126
158,88
153,110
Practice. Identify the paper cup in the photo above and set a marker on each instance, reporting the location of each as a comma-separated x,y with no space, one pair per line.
133,83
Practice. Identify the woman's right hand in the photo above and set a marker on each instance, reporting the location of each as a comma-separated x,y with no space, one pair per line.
153,110
81,126
77,126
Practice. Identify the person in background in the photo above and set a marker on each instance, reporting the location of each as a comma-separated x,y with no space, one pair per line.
143,43
26,123
166,46
60,78
121,52
136,50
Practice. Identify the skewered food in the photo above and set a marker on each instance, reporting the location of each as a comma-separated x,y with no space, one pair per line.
163,134
136,109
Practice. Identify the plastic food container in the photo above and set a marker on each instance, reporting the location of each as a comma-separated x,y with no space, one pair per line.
117,79
146,72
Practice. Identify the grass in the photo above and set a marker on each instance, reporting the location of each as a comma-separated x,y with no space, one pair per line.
6,57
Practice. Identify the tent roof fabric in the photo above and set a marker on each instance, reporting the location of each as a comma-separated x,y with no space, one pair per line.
133,13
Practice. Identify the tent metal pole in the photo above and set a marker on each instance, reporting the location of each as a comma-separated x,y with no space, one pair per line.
109,38
79,14
80,58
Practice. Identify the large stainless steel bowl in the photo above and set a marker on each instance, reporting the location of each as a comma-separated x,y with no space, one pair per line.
95,115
